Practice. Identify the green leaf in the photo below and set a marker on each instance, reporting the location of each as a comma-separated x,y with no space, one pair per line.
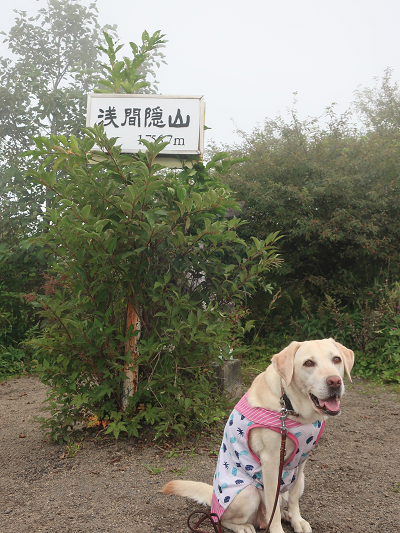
154,186
181,193
85,211
100,225
192,319
197,199
167,277
112,245
181,207
188,203
74,145
188,403
132,191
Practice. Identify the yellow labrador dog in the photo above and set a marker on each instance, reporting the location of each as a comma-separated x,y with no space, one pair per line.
308,377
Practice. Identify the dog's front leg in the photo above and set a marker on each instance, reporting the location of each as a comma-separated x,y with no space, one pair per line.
270,471
298,523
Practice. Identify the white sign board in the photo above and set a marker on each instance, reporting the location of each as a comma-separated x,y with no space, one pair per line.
131,117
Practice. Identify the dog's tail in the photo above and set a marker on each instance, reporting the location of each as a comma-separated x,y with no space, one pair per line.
201,492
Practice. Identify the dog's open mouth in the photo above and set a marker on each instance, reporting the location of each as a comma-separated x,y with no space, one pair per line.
329,406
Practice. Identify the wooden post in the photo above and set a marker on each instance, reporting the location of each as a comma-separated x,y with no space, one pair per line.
130,384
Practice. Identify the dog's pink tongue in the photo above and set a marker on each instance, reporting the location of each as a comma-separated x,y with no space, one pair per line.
331,403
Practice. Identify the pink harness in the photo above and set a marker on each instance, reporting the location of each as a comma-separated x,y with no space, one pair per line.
238,466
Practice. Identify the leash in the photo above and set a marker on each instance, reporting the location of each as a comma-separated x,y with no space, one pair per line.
282,418
206,516
212,516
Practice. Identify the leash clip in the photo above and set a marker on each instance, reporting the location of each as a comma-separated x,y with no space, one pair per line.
283,416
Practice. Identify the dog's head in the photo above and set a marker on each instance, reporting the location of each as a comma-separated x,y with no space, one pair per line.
315,370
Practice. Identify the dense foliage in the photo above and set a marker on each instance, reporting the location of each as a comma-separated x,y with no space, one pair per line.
336,198
332,189
43,90
120,230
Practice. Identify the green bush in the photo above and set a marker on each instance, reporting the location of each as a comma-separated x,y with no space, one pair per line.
123,229
332,189
371,328
11,361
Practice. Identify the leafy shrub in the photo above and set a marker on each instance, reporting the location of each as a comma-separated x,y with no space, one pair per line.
20,272
391,370
371,328
332,189
10,360
382,356
123,231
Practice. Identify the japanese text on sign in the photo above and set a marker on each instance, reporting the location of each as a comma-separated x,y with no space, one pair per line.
134,117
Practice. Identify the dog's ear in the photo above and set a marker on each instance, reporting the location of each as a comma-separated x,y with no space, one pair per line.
284,361
348,356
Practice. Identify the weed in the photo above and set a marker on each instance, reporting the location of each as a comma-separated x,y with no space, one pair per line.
154,470
179,472
73,448
172,453
396,488
192,453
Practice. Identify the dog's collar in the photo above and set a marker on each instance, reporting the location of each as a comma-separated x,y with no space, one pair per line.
285,402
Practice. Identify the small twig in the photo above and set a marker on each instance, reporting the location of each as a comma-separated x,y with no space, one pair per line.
100,432
154,368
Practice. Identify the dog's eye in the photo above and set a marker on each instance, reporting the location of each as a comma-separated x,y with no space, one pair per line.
337,360
309,363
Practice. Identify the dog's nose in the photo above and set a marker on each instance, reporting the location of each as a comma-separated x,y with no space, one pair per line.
334,381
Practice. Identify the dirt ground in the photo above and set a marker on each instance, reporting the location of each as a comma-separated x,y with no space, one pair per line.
352,478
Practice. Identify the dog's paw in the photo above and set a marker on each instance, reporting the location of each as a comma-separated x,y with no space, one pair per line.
301,526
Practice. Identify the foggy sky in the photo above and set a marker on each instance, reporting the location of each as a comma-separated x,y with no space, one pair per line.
248,58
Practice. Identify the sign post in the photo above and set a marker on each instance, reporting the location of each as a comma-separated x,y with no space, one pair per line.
130,384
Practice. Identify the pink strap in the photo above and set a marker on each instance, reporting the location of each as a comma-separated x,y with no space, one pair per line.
260,415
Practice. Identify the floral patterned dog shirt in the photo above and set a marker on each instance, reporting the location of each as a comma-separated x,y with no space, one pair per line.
238,466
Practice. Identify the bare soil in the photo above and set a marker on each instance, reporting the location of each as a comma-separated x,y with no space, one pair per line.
352,479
